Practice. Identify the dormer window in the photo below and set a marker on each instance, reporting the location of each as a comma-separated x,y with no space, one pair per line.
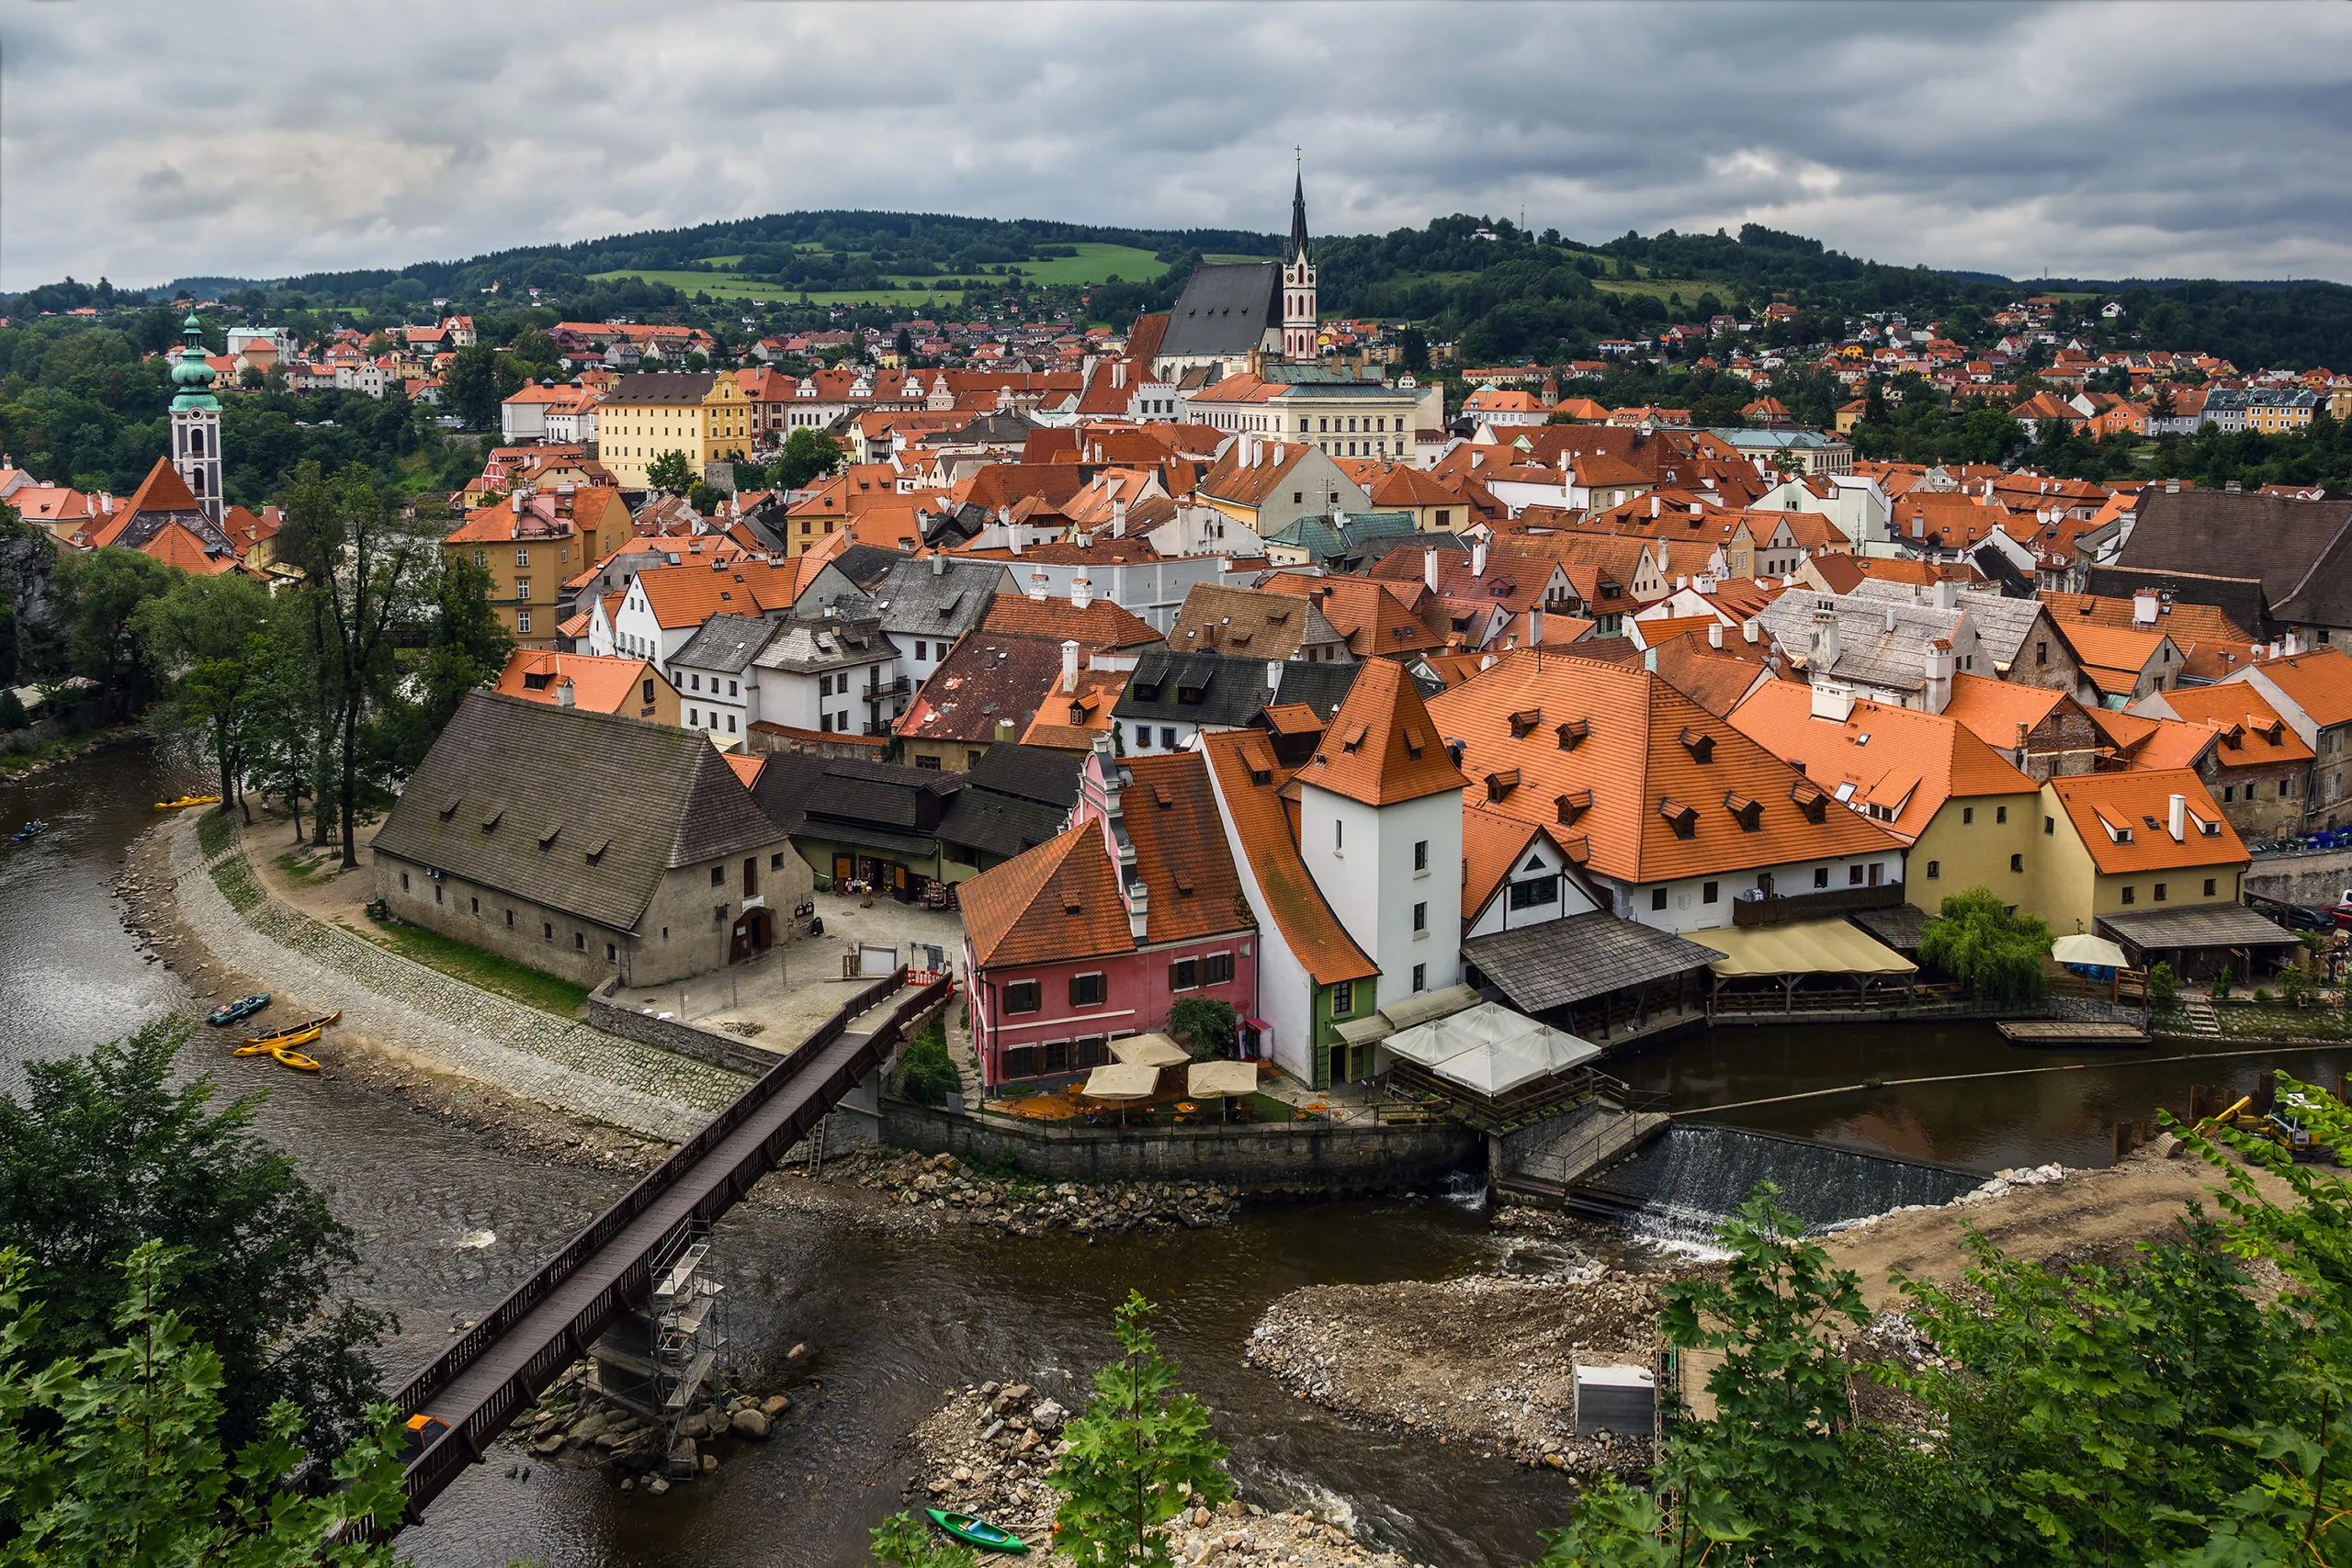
1500,785
1573,805
1683,819
1523,722
1699,743
1572,733
1748,812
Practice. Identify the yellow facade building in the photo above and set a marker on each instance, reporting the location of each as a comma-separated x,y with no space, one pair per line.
704,414
2132,843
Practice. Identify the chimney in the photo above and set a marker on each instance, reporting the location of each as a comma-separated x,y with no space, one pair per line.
1824,641
1938,665
2172,487
1947,592
2022,732
1275,678
1081,593
2177,817
1478,559
1138,908
1069,666
1835,704
1007,730
1747,631
1429,570
1654,504
1038,581
938,566
564,695
2144,607
1714,634
1890,619
1013,531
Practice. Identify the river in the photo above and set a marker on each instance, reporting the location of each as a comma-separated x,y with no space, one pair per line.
892,1319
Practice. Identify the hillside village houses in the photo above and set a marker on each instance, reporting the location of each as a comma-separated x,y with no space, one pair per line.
1201,663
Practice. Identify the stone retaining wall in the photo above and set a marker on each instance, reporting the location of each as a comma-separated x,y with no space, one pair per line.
1324,1155
2315,879
674,1035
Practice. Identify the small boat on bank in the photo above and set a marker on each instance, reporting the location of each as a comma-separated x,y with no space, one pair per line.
270,1044
287,1057
293,1033
244,1007
188,800
974,1531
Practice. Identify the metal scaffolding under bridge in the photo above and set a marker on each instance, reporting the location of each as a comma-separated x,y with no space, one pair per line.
501,1365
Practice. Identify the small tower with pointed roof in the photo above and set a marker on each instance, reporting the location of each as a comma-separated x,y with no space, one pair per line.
1380,829
196,421
1298,279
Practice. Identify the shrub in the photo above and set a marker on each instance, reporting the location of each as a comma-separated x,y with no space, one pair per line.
2262,996
2163,987
2222,979
1202,1026
927,1073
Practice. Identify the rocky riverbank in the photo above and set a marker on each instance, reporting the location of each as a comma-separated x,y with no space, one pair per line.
575,1427
989,1450
1481,1361
928,1191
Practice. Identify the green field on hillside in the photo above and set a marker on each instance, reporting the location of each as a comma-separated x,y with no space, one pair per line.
1093,263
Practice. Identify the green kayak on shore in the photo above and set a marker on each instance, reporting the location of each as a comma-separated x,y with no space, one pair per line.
976,1532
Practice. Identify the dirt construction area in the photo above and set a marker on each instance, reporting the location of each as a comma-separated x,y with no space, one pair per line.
1489,1361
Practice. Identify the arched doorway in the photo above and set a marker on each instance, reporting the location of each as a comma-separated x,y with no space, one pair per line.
754,934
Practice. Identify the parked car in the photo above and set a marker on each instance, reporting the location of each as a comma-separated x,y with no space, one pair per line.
2303,918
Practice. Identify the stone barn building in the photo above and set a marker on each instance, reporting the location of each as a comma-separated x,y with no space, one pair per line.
587,845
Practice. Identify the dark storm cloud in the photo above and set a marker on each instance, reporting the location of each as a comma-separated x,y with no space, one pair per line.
281,138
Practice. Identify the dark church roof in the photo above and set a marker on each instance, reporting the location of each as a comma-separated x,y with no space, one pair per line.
2262,559
1225,309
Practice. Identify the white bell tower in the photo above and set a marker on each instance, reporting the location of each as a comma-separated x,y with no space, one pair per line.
196,422
1298,281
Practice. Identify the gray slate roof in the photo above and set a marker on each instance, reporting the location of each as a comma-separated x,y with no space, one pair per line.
2002,622
2198,925
663,387
1225,309
1230,691
915,599
520,795
1029,772
999,824
1571,960
1867,651
807,645
2263,559
726,643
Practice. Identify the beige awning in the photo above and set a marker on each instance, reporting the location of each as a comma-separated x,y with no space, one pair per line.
1122,1080
1802,947
1149,1051
1221,1080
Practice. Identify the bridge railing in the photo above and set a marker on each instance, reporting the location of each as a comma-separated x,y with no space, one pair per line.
418,1391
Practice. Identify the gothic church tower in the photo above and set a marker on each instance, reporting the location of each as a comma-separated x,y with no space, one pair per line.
1298,282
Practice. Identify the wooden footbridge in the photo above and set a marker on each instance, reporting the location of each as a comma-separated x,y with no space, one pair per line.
499,1366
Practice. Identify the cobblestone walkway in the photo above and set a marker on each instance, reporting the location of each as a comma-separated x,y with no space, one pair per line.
554,1061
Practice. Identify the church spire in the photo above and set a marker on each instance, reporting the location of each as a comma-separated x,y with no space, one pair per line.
1298,209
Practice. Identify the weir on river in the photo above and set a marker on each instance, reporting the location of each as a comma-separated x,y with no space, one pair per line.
1684,1182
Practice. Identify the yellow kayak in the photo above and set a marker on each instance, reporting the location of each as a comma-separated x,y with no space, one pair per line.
188,800
270,1044
286,1057
292,1035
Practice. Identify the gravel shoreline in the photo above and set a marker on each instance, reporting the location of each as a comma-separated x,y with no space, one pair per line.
990,1450
930,1192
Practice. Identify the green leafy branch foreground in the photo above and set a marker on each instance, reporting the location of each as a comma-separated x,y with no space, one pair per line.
2184,1408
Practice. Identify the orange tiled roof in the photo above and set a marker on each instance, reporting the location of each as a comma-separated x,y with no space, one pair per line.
1056,901
689,595
1898,764
2113,657
600,683
2320,682
1382,746
1491,846
2253,734
1637,744
1369,615
2105,806
1251,786
1180,849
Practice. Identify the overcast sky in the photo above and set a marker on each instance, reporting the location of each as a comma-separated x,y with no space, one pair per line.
146,141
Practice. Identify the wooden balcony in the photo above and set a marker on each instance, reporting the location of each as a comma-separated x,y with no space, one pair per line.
1754,909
